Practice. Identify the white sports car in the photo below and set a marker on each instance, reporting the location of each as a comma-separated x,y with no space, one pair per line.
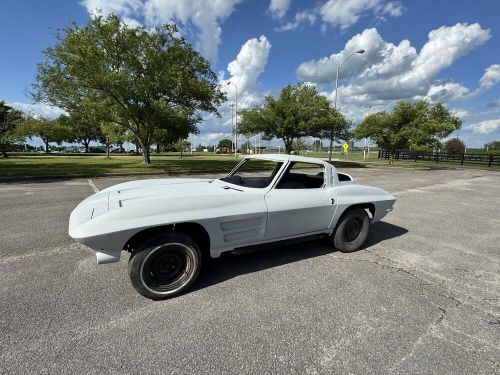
170,225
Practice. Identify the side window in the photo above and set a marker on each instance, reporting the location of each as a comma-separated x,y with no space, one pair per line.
303,176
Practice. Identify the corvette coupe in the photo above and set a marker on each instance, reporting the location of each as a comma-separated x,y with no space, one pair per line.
170,226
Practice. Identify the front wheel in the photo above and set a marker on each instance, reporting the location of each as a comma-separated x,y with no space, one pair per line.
352,230
165,266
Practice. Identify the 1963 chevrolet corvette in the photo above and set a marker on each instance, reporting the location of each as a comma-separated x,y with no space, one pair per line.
170,225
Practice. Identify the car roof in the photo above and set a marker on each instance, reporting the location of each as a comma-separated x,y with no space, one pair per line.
286,157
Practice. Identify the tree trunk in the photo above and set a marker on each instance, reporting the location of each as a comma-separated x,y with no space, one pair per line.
4,154
330,149
157,148
146,154
107,148
288,145
46,145
86,144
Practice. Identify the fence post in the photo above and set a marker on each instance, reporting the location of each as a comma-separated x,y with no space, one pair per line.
490,161
462,159
379,154
416,156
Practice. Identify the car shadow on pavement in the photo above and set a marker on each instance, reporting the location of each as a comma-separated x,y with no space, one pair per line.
229,266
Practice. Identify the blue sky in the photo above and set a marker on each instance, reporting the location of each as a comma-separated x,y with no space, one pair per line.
441,50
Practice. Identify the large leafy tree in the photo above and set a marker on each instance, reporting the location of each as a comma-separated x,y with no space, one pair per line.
48,130
415,124
141,79
9,118
83,128
332,125
295,113
111,133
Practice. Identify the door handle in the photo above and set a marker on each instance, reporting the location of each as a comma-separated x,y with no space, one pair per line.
333,200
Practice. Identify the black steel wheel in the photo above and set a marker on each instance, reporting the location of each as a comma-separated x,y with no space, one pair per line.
165,266
352,230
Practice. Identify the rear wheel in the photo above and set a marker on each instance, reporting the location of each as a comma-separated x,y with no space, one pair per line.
352,230
165,266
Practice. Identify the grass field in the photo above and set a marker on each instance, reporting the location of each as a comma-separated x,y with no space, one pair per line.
97,165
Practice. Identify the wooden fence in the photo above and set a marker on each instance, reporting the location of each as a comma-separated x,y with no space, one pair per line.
482,159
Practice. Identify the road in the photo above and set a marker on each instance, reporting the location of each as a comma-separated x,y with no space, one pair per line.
423,296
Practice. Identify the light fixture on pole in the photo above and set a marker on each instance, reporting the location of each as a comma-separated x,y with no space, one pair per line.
235,117
336,93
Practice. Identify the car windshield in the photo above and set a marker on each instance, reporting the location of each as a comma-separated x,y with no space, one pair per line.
254,173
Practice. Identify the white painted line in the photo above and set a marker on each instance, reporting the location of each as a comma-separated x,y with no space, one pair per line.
96,190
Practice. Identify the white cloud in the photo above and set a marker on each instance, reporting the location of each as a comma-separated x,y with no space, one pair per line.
447,91
118,7
345,13
388,72
278,8
299,19
460,112
342,13
490,78
199,17
38,109
245,70
484,127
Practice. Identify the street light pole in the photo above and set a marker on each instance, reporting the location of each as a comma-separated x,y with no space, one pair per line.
336,93
232,126
235,117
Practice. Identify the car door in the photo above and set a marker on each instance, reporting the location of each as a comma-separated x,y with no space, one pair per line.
302,202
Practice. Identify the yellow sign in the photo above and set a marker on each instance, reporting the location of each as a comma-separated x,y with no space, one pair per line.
346,147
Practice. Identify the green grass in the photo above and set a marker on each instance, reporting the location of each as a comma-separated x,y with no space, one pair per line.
99,165
62,165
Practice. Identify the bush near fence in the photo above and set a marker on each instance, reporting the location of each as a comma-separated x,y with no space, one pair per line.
481,159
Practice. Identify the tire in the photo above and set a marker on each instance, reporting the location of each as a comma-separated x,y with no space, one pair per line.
352,230
165,266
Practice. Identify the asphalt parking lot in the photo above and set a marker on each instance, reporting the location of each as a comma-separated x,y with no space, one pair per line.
422,297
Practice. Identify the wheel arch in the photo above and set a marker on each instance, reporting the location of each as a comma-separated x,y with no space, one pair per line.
192,229
368,206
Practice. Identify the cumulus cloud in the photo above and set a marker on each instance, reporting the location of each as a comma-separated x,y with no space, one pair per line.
388,72
484,127
245,70
345,13
301,18
198,17
490,78
342,13
278,8
447,91
38,109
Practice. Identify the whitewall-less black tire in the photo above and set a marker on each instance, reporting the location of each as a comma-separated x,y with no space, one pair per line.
165,266
352,230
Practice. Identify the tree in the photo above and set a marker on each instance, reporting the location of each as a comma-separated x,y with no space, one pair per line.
454,146
293,114
143,80
110,133
182,144
48,130
9,118
225,144
333,126
409,124
492,146
84,128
